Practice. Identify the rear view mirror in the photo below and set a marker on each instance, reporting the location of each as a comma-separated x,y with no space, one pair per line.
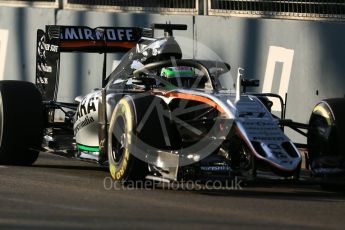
250,82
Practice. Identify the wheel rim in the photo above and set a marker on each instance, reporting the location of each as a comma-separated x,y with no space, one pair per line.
119,139
320,136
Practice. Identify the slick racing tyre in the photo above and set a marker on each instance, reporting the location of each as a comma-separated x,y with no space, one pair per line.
326,137
122,164
21,122
133,133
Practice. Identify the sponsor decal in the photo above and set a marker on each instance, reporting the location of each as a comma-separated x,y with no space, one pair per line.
327,170
87,120
41,51
221,168
42,80
44,68
98,34
263,131
83,113
112,170
123,109
258,123
86,107
51,48
119,174
261,128
269,138
42,47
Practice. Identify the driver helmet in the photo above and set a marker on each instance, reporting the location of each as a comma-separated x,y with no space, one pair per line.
179,75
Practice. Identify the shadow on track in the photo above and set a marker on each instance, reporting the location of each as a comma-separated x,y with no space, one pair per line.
281,191
72,167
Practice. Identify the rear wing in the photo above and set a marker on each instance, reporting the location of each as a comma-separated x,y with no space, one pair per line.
57,39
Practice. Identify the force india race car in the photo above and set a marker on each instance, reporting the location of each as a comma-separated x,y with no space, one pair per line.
158,116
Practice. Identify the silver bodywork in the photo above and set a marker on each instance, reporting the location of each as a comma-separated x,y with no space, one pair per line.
86,121
253,121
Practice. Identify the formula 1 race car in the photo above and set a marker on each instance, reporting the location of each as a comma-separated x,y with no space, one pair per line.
159,116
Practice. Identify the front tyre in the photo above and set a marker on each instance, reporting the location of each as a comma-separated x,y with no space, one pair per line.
123,165
326,137
21,122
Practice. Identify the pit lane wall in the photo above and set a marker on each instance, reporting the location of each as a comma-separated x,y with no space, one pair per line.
303,58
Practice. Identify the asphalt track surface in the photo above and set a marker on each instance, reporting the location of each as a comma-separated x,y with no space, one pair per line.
60,193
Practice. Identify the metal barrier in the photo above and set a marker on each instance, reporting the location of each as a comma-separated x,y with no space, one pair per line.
308,9
32,3
299,9
155,6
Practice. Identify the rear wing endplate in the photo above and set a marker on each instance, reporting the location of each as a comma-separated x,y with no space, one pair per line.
57,39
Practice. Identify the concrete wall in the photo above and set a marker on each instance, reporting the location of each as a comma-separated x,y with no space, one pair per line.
304,58
18,27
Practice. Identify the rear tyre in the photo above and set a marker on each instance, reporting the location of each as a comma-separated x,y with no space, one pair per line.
326,136
21,122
